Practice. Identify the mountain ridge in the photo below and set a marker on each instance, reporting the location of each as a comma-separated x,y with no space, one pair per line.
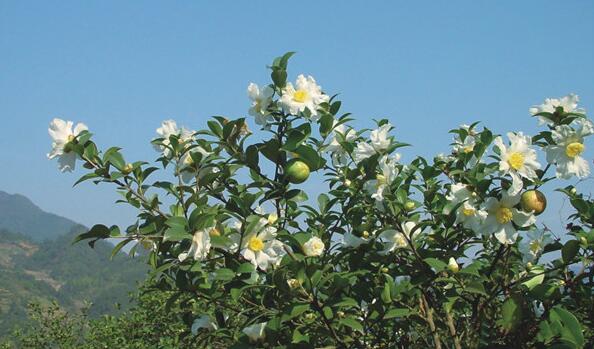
18,214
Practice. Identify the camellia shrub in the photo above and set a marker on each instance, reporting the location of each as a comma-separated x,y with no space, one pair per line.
379,252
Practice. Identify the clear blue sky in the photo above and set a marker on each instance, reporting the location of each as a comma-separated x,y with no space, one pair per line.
124,66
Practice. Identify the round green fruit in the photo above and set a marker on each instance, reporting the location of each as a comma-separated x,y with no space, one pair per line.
296,171
533,200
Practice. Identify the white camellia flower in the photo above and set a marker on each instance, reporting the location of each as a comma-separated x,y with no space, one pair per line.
260,247
203,322
341,134
467,214
394,239
519,160
379,142
169,128
261,100
200,245
501,217
314,247
62,133
569,145
569,104
255,332
305,94
376,187
532,246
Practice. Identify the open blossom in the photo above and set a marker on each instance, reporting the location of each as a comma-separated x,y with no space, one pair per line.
314,247
394,239
502,215
200,245
533,245
341,134
467,145
388,173
261,100
468,213
569,145
260,246
519,160
379,142
305,94
255,332
62,134
169,128
569,104
203,322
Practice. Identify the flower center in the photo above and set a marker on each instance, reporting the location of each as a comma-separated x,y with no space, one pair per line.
399,240
516,160
534,246
188,160
468,149
468,211
300,96
71,138
504,215
256,244
574,149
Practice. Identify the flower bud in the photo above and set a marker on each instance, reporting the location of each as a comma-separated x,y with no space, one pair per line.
409,206
573,191
584,241
529,265
340,313
347,183
385,270
128,169
310,316
214,232
314,247
365,234
453,265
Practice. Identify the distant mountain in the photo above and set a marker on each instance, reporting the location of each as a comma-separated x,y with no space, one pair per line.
18,214
42,265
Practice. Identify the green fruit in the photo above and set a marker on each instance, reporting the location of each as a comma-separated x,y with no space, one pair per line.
296,171
533,200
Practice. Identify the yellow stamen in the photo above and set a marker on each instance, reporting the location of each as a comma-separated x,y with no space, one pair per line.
534,246
71,138
468,149
516,160
400,240
468,211
300,96
256,244
574,149
504,215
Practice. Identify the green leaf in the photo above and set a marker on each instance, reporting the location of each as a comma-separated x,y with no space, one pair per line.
571,328
397,312
279,77
176,233
386,295
245,268
436,264
476,287
224,274
98,231
352,323
570,250
511,314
